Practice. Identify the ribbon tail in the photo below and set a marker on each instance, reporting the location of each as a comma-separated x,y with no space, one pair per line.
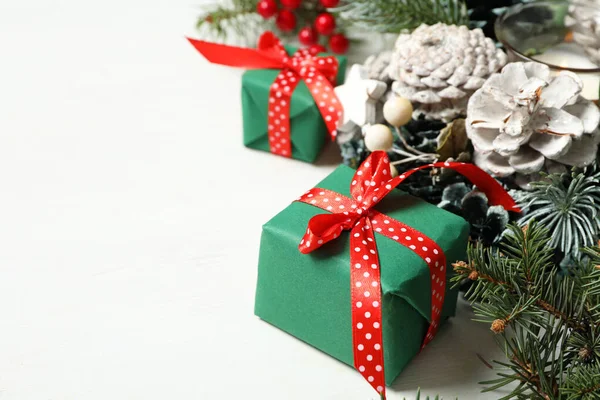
280,100
234,56
496,194
365,292
327,101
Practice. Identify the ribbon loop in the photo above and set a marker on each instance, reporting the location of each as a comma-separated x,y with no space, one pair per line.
370,184
324,228
371,180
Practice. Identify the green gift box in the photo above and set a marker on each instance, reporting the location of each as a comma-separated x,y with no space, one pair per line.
308,295
308,130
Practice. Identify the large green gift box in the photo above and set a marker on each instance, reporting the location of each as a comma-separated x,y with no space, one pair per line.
308,130
308,295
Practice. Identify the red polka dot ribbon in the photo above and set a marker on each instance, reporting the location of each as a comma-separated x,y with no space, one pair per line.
371,183
318,73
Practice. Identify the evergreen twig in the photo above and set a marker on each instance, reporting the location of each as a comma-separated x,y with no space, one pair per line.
238,20
394,16
569,205
437,397
548,323
235,18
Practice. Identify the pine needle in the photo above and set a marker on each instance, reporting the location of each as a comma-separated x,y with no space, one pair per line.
548,323
569,206
394,16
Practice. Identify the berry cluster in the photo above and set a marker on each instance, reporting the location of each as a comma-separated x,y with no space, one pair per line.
324,23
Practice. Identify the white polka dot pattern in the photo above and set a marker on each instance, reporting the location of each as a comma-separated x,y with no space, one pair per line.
369,185
429,251
278,125
319,74
365,282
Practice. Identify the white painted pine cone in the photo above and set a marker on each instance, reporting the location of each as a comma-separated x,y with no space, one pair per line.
522,117
438,67
377,66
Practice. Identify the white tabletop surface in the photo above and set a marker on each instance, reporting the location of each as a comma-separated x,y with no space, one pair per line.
130,219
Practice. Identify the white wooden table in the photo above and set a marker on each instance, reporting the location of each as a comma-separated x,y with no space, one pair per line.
122,275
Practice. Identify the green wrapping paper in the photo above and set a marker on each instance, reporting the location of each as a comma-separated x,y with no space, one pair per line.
308,130
308,295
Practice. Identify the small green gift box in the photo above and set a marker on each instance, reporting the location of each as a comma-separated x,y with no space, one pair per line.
308,130
299,79
308,295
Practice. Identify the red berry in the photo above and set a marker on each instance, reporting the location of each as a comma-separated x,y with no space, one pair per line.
325,24
290,4
316,49
339,43
267,40
329,3
308,35
266,8
286,20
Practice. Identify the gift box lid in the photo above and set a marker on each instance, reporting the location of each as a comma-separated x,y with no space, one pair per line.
403,273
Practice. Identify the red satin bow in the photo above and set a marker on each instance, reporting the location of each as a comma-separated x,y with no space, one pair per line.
371,183
319,74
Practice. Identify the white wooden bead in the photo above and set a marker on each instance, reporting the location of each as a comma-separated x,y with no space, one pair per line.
394,171
379,137
397,111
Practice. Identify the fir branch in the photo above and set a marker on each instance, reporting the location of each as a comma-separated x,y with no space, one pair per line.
584,384
235,18
547,322
589,279
394,16
584,347
556,313
470,272
437,397
568,205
